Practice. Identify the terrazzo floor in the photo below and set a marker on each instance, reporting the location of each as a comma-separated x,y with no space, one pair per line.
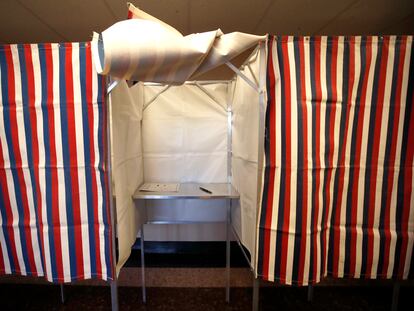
47,297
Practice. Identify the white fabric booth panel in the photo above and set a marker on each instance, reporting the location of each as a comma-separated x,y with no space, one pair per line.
182,134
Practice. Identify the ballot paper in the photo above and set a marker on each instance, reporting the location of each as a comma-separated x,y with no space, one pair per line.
159,187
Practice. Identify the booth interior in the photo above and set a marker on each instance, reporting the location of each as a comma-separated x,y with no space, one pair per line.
204,131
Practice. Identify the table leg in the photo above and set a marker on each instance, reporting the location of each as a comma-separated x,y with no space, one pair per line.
144,291
114,295
228,251
256,284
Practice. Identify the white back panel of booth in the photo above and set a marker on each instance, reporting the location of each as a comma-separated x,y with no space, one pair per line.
184,135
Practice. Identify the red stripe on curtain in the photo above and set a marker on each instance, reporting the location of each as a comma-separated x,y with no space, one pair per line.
355,131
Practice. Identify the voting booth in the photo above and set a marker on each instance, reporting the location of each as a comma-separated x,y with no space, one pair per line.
194,117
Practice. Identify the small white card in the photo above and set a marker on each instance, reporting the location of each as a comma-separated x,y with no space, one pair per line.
159,187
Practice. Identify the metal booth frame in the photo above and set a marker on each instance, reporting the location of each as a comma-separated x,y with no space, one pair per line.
259,85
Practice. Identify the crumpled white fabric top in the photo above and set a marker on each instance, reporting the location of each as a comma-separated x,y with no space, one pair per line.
146,49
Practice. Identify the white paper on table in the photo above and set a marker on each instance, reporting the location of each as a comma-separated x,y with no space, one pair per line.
159,187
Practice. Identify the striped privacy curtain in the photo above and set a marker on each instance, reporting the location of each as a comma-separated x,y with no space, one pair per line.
54,209
338,184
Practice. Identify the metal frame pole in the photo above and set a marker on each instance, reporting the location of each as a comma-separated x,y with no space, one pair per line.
114,294
146,105
256,288
310,293
395,295
114,282
261,131
260,158
229,181
144,290
229,204
210,95
243,76
62,294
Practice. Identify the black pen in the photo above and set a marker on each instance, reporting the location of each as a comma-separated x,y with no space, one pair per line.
205,190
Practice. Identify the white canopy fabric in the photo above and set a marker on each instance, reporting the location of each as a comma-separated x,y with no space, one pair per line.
148,50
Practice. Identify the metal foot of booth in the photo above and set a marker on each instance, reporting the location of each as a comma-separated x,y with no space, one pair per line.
114,295
395,296
62,294
310,293
256,287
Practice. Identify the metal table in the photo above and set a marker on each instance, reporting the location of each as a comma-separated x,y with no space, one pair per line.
191,191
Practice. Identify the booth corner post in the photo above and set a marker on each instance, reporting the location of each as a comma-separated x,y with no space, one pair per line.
143,287
114,282
62,293
255,302
395,295
229,203
310,293
260,156
228,232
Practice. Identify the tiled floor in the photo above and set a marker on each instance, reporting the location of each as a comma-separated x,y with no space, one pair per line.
47,297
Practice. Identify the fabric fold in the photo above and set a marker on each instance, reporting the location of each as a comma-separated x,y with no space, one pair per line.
146,49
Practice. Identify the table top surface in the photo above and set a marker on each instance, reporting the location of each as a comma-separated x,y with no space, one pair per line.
191,191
